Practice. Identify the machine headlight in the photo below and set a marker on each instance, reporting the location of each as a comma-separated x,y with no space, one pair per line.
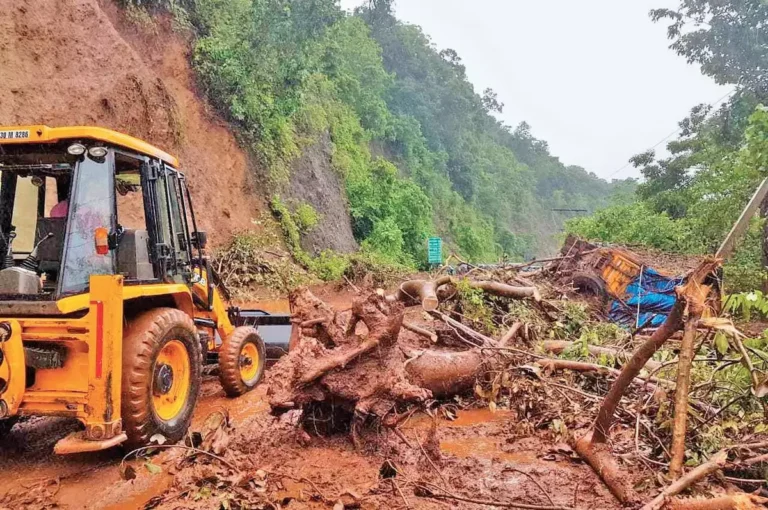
5,331
76,149
97,152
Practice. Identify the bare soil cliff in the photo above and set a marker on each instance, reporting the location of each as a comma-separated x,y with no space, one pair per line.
80,62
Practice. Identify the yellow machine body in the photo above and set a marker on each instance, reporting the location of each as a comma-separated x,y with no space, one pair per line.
87,328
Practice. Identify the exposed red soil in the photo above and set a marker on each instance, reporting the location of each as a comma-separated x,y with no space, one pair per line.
80,63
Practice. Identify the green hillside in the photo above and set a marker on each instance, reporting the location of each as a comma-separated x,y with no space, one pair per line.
420,151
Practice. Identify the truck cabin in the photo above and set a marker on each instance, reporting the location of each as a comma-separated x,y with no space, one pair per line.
81,206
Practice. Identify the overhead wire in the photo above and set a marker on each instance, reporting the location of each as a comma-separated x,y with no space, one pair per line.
673,133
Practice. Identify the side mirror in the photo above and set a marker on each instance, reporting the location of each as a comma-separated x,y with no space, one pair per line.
199,239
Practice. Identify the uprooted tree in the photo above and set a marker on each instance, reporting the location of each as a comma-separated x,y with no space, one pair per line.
350,361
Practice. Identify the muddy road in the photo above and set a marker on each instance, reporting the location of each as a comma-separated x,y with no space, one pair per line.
93,480
476,443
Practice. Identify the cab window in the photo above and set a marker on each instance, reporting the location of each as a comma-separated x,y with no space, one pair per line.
91,207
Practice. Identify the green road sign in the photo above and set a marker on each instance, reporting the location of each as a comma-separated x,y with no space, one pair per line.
435,250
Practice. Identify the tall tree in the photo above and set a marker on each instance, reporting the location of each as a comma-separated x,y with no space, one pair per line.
728,38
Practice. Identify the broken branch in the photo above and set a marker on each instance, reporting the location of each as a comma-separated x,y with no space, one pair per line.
558,346
420,331
484,340
715,463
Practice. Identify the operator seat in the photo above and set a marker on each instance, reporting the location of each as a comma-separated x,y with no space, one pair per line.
49,253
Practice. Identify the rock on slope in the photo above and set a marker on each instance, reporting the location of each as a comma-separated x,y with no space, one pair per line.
77,62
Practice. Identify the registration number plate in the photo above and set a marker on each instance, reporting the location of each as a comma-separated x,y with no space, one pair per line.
14,135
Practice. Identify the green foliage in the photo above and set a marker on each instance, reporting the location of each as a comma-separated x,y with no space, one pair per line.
475,307
291,230
572,320
419,150
329,266
306,217
376,269
635,223
744,271
726,37
748,304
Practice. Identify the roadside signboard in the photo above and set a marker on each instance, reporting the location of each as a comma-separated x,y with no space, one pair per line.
435,250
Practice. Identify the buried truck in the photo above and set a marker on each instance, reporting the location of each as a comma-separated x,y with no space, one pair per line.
108,305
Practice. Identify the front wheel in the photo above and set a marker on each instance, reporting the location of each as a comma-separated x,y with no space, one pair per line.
162,372
241,361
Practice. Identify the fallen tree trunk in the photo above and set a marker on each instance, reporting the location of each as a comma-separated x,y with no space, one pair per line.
581,366
511,334
445,373
558,346
504,290
717,462
428,293
415,292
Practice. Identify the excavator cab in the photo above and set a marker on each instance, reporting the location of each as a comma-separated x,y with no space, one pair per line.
108,305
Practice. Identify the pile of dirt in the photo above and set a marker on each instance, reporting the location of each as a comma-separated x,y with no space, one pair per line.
80,62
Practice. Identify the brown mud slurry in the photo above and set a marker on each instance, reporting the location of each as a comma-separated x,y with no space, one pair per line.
479,456
93,480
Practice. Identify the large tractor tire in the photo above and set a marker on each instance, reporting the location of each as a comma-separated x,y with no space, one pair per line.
162,372
241,361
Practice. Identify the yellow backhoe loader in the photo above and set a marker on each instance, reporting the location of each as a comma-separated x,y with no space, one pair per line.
108,307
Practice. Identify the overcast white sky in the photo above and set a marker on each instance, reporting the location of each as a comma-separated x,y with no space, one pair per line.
594,78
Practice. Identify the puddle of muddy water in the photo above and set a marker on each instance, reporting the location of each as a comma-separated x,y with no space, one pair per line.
485,448
474,446
464,418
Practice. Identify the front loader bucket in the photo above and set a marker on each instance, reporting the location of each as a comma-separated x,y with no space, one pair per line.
274,329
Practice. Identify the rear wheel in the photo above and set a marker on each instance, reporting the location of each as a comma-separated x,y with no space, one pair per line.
162,371
241,361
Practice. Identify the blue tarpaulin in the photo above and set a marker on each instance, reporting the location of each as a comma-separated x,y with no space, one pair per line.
649,299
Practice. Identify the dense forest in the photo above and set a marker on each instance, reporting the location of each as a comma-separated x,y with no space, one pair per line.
420,151
690,197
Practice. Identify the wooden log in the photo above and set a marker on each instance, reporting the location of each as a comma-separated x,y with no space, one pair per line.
419,291
726,502
508,291
581,366
445,373
511,334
